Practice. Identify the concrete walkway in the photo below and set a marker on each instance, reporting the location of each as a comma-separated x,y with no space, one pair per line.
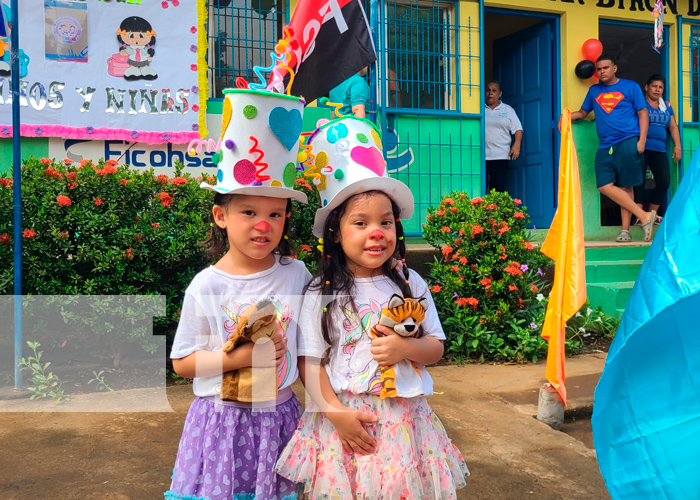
487,409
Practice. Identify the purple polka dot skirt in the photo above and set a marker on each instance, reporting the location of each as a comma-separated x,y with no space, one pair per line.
229,452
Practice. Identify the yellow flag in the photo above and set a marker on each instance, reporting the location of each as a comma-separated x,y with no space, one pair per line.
564,244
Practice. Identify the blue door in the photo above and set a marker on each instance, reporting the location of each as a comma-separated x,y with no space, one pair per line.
523,65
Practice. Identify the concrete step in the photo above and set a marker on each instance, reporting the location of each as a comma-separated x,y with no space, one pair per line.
619,252
612,271
612,297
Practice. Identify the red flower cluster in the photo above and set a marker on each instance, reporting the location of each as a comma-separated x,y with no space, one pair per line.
527,245
455,269
512,288
533,288
52,172
486,282
504,228
439,213
435,288
68,161
112,163
517,201
477,201
162,178
155,225
477,229
4,182
63,201
45,161
71,176
28,233
109,169
98,201
445,229
128,254
513,269
491,206
447,250
72,185
504,255
165,199
124,181
448,201
4,239
519,215
178,180
303,183
470,301
85,162
305,248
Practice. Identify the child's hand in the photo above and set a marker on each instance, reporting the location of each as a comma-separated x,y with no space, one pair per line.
349,425
396,265
280,347
389,349
265,353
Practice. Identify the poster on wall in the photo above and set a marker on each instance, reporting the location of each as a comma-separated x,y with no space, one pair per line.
111,70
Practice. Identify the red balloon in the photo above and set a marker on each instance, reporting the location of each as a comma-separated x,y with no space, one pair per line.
592,49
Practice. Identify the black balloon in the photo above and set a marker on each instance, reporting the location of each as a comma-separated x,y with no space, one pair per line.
585,69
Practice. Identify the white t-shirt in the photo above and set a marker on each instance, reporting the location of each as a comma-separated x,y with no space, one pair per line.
501,124
351,367
206,325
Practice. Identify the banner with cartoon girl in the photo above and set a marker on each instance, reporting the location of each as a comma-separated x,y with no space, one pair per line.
91,69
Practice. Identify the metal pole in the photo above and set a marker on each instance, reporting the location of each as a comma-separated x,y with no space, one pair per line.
17,189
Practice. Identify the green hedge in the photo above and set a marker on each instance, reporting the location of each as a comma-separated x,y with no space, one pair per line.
110,230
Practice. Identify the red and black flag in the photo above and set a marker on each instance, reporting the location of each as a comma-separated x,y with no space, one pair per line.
330,42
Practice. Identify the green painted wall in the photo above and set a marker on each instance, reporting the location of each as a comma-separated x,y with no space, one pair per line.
31,146
447,154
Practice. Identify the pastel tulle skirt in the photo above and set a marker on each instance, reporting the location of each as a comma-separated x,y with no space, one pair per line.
415,460
228,452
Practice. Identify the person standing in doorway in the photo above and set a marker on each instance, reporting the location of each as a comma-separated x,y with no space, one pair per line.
502,124
622,122
353,94
661,122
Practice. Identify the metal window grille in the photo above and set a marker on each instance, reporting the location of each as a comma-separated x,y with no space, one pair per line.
424,58
694,52
242,33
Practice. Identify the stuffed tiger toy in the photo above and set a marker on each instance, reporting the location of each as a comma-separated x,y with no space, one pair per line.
404,317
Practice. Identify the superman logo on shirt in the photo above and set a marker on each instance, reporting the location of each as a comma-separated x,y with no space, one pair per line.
608,100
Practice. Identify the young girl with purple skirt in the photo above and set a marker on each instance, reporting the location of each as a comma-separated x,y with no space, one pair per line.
228,449
358,441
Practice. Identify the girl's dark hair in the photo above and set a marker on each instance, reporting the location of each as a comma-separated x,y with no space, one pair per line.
335,279
137,24
656,78
217,242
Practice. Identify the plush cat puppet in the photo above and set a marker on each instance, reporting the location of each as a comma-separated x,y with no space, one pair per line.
404,317
249,385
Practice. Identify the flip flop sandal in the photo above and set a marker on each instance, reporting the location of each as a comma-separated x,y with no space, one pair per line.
623,236
649,226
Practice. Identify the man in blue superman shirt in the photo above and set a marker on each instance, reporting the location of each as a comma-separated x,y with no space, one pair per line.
622,123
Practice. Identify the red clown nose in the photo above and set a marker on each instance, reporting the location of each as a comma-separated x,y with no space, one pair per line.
376,234
262,226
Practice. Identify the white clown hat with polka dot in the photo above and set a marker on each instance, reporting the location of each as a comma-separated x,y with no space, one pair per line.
348,160
259,144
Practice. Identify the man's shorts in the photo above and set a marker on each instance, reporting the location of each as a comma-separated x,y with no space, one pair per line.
620,164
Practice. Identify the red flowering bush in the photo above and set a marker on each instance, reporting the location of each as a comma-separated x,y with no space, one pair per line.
98,230
302,223
488,286
105,229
